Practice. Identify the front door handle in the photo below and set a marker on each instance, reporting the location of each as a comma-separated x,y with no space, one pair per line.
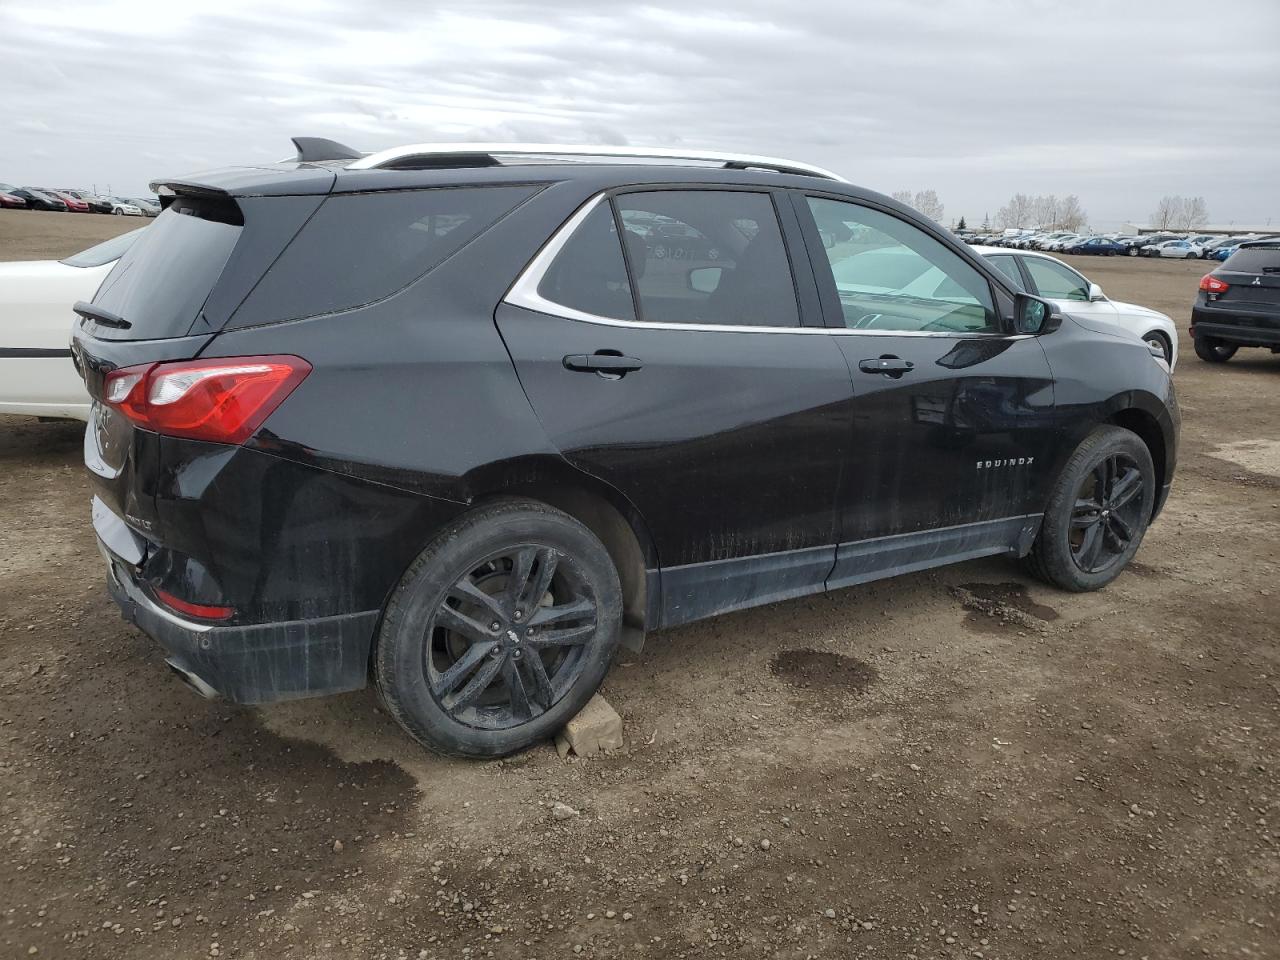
601,363
889,366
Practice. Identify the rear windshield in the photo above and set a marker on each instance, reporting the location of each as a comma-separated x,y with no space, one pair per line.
363,247
164,278
104,252
1254,260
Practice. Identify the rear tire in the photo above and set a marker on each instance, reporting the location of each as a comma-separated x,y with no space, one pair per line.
1098,512
1212,350
500,631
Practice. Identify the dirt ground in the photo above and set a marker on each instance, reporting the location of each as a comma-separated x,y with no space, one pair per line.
960,763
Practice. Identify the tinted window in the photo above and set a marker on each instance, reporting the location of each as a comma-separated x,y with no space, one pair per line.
891,275
363,247
708,256
1254,260
1054,280
164,278
589,273
1009,268
104,252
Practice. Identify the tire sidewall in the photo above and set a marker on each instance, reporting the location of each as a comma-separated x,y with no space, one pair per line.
402,633
1056,528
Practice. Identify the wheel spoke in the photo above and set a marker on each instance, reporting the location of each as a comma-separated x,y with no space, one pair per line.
521,709
547,559
573,610
1086,513
1126,488
450,679
1121,528
518,580
567,637
537,670
1091,547
477,685
459,622
467,592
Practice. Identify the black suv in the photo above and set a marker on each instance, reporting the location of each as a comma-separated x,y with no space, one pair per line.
459,423
1239,303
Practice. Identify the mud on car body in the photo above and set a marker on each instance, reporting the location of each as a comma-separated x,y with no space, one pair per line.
441,419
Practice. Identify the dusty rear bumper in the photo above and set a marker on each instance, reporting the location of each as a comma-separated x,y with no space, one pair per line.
254,663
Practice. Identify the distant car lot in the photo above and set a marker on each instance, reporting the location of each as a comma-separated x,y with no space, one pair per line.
64,200
1178,246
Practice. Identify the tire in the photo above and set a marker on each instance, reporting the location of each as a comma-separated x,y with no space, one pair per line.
1165,347
1212,350
118,213
1133,252
460,687
1096,517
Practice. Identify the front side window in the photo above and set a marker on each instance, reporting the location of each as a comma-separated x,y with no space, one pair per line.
1009,267
891,275
1055,281
708,257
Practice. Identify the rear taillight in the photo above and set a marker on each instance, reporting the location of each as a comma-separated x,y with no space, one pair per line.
202,610
222,400
1211,284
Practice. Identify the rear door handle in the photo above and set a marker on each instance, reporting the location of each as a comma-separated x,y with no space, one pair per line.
887,365
601,363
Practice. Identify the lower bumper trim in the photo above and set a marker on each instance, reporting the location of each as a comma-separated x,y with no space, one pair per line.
253,663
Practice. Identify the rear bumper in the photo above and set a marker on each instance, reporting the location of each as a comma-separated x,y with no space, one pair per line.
1242,326
255,663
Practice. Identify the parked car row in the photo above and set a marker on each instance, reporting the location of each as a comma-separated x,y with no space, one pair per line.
1202,246
75,201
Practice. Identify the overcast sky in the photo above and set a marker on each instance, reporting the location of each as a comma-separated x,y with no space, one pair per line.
1118,102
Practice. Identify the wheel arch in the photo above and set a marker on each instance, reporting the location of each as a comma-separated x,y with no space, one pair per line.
1147,426
601,509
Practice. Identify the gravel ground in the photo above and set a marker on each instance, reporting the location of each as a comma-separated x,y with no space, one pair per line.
953,764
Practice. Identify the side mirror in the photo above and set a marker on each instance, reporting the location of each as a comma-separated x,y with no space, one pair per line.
1034,316
1095,293
705,279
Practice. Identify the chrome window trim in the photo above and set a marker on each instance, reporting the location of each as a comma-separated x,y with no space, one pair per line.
524,293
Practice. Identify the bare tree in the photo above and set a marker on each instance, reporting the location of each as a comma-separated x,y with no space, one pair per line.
903,196
1044,212
1016,213
1072,216
1167,213
1195,213
927,202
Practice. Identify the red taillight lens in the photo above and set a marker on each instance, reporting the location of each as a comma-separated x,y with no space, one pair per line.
222,400
1211,284
202,610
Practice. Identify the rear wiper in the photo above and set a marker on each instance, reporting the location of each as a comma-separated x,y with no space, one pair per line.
98,315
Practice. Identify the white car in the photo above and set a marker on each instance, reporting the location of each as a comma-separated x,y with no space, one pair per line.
36,374
1049,277
1178,249
125,208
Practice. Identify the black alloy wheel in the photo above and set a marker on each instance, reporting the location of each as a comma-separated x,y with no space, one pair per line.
1097,512
508,639
500,631
1108,513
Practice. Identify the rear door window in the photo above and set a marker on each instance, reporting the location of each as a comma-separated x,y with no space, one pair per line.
708,257
1009,267
162,280
362,247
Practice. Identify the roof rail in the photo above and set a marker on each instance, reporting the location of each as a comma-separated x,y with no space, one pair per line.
420,155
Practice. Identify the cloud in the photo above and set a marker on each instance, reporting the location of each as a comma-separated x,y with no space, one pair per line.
1118,103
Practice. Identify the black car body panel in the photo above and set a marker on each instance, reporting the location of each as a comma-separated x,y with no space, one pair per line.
731,466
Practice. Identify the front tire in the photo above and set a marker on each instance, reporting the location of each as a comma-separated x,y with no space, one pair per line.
500,631
1212,350
1098,512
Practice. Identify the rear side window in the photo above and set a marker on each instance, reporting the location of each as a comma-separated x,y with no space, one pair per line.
363,247
708,257
1254,260
589,273
1009,267
164,278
